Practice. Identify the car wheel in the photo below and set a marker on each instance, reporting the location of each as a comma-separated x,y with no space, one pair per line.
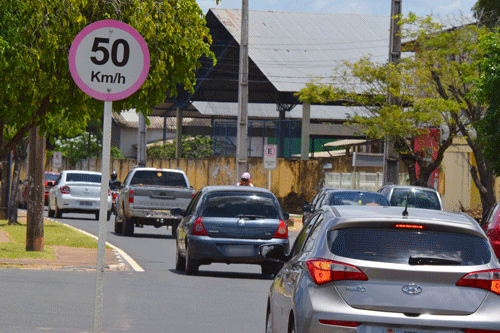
108,216
291,325
128,226
51,212
180,262
191,265
58,212
174,229
271,268
97,216
118,227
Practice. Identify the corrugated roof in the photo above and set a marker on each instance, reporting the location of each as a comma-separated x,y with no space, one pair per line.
342,143
331,153
130,119
262,110
291,48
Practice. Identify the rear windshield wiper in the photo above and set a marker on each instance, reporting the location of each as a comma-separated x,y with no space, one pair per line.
249,216
432,261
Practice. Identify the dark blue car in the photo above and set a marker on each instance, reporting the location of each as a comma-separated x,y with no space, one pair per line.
227,224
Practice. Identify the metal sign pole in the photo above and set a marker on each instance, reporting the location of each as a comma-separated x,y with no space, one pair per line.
103,212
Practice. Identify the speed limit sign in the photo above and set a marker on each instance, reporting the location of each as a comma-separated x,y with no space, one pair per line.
109,60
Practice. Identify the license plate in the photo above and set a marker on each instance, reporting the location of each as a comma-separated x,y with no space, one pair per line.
86,203
239,250
161,213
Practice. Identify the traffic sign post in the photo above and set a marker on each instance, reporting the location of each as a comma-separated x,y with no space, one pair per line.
57,160
270,160
109,61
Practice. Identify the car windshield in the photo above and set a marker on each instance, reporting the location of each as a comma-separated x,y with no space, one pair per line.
51,176
415,198
83,177
159,178
358,199
244,204
405,247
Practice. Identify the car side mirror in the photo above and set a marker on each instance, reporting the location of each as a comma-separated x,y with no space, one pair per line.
286,216
273,251
50,184
176,211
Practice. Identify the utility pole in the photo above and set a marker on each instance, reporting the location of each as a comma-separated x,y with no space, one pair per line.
391,164
141,142
242,127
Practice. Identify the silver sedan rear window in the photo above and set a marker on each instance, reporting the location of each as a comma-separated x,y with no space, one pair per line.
422,247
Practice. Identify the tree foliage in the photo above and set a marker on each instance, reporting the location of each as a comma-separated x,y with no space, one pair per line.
487,12
36,85
488,90
192,148
431,88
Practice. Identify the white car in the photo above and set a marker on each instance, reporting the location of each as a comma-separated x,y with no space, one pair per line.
77,191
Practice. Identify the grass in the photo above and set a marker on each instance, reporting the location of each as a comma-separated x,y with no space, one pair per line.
54,234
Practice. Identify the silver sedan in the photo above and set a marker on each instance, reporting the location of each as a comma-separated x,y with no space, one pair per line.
359,269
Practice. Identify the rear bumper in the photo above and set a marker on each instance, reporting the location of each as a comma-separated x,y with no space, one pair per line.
74,204
229,250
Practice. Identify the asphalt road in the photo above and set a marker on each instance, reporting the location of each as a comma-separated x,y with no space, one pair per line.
222,298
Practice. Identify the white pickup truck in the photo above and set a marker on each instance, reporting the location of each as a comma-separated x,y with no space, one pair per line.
148,195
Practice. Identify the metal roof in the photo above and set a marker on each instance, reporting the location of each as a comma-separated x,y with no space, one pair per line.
291,48
347,142
264,110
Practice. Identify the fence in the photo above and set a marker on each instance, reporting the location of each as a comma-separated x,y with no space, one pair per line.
365,181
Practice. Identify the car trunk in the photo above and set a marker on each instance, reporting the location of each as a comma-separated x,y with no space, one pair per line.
423,290
247,228
160,197
85,191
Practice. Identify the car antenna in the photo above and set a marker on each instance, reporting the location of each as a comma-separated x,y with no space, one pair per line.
405,212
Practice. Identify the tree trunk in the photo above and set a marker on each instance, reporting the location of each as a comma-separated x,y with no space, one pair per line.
483,179
19,158
34,225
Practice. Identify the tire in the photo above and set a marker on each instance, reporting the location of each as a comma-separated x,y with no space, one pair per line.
97,216
180,262
291,325
191,265
271,268
58,212
128,226
51,212
108,215
118,227
174,229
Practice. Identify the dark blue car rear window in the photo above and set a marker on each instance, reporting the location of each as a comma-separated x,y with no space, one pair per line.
231,204
397,246
415,198
357,198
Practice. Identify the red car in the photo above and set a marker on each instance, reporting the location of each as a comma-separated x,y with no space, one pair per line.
23,189
491,226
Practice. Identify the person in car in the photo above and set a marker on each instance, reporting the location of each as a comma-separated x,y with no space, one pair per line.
114,183
245,180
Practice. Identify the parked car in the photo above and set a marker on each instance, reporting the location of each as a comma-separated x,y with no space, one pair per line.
385,269
77,192
491,225
413,196
23,189
228,224
308,207
340,197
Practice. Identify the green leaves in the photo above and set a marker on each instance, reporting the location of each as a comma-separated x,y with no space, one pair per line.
192,148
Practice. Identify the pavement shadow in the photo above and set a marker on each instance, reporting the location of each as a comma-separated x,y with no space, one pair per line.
228,275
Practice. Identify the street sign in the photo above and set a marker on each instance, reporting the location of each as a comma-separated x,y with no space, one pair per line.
270,156
57,159
109,60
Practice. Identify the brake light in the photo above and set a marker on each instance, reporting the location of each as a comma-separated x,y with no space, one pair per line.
282,231
409,226
487,280
64,189
192,195
131,196
339,323
198,228
109,192
114,195
323,271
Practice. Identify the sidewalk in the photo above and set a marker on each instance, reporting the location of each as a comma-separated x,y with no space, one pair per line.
67,258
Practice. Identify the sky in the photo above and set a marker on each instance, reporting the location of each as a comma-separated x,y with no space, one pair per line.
442,8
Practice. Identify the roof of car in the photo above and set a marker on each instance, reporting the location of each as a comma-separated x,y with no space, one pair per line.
158,169
411,186
213,188
396,212
81,171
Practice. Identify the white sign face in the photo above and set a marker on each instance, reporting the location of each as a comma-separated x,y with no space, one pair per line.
57,159
109,60
270,156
